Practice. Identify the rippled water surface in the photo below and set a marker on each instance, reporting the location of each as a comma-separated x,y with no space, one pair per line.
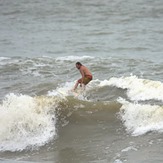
118,118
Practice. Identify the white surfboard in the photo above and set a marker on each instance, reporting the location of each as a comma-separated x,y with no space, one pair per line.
75,93
62,92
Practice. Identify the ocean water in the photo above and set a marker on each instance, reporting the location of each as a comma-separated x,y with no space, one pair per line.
118,118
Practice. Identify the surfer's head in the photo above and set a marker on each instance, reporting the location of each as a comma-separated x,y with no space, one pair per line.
78,65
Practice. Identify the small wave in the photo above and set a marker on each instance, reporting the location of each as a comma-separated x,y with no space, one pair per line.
137,89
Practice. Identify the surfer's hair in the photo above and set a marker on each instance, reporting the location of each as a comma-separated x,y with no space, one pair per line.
78,63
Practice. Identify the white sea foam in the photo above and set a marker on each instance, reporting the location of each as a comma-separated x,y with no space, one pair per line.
62,90
73,58
129,149
4,58
137,89
118,161
66,89
31,72
140,119
25,122
4,61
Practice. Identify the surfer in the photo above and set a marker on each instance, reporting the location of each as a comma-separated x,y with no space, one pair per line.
86,76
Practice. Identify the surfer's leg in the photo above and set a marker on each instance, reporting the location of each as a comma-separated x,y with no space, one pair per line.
76,85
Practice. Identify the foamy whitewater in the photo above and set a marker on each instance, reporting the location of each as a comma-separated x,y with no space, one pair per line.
118,118
25,118
138,89
139,118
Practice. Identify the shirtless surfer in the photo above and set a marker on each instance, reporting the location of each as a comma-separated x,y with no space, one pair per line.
86,76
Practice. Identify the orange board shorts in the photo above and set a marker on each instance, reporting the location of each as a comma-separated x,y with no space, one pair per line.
87,79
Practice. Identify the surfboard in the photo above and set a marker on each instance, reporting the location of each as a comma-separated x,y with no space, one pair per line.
70,92
63,93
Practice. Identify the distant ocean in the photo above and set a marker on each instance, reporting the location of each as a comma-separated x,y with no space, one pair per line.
118,118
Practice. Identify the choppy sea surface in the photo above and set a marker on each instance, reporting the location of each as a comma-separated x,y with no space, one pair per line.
118,118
